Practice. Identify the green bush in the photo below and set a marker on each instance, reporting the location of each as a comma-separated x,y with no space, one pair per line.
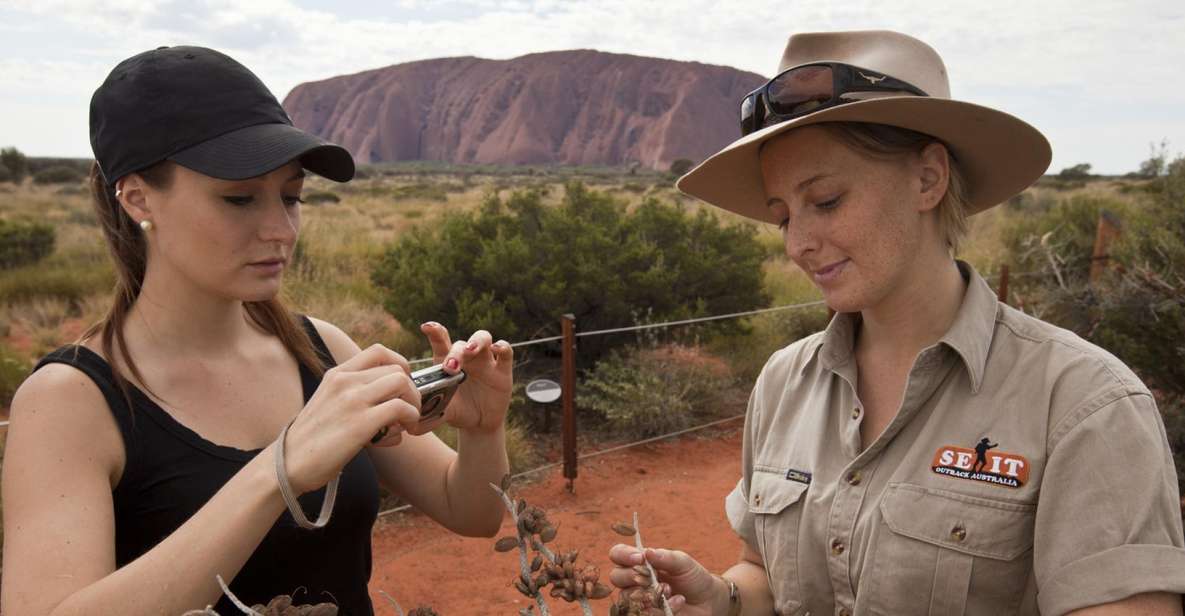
318,197
70,282
643,392
24,242
429,192
1066,230
5,174
515,267
57,175
681,166
15,162
13,370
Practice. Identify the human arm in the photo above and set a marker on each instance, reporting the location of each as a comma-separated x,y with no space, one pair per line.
1108,531
64,455
452,487
693,590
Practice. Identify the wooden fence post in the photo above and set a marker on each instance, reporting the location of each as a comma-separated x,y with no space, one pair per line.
568,324
1109,228
1002,292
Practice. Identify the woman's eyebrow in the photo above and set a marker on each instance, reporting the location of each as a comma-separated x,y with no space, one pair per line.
299,174
807,182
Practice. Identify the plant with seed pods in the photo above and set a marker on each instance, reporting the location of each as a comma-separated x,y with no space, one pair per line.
639,601
280,605
568,581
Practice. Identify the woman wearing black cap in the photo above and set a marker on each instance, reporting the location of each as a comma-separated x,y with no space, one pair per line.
144,462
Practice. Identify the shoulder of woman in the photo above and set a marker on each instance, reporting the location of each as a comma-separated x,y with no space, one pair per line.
340,345
62,413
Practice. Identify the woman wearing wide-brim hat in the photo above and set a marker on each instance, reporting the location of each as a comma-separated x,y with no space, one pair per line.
195,430
933,451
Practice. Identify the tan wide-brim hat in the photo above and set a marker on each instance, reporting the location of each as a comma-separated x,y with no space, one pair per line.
998,154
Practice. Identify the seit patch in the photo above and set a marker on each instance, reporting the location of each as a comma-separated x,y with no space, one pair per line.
799,476
982,462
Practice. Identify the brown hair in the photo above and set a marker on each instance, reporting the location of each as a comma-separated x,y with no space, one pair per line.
882,140
129,251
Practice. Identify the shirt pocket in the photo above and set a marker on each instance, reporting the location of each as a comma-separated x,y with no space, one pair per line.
944,553
776,505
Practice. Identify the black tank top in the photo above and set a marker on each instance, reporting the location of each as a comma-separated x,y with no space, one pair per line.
171,472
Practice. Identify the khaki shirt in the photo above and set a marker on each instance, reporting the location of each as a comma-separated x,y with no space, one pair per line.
1070,502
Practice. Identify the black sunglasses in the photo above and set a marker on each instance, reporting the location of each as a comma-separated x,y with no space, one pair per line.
810,87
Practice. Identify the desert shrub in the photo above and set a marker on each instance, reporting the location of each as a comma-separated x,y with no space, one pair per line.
515,267
1077,172
5,174
428,192
681,166
15,162
1066,231
24,242
13,370
66,281
57,175
640,392
318,197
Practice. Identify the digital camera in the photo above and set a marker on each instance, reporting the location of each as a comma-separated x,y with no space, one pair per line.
436,389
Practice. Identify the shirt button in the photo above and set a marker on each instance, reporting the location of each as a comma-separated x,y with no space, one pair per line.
854,478
958,533
837,547
843,611
856,413
756,499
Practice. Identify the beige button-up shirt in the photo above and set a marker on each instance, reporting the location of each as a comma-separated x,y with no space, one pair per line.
1027,471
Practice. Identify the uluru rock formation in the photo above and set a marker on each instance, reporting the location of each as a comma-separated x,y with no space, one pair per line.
577,107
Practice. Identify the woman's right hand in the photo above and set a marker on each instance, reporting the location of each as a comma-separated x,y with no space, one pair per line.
691,589
356,399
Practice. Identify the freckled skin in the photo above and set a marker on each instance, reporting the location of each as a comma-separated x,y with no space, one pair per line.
200,238
884,222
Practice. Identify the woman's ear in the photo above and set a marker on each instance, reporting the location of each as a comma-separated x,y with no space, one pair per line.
933,169
132,194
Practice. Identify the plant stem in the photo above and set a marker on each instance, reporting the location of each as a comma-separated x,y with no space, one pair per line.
522,549
666,608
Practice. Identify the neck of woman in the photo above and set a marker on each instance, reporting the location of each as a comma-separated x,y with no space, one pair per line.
171,316
917,313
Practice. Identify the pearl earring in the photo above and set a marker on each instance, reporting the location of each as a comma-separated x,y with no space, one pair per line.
146,225
118,192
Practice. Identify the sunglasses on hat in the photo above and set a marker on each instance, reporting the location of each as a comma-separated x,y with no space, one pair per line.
808,88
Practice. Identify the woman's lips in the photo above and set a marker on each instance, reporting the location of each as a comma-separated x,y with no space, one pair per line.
829,273
274,266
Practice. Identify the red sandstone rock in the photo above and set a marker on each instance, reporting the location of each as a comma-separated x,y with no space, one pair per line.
578,107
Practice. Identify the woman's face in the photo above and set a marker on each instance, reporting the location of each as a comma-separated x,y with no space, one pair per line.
854,224
232,239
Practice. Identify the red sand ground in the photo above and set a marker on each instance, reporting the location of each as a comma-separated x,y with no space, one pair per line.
677,487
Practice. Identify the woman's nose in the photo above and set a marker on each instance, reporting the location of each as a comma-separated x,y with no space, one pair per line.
800,240
280,223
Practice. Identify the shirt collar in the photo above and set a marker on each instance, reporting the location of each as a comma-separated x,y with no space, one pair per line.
970,334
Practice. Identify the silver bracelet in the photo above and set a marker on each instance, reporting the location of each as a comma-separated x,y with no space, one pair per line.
734,596
290,497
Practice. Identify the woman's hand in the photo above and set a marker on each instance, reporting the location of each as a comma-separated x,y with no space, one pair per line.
356,399
481,402
692,589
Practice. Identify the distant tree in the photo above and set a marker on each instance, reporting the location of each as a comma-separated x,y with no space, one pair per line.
515,266
681,166
1077,172
1155,165
5,174
16,162
60,174
24,242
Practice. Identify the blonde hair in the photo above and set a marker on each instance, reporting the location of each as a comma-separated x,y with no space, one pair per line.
882,140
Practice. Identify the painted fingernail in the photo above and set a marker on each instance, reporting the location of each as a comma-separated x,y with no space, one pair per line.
451,364
430,324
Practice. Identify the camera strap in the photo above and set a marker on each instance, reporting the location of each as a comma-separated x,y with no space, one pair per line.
290,497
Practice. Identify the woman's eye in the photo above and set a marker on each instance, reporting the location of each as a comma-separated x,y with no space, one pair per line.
292,200
237,200
785,224
829,204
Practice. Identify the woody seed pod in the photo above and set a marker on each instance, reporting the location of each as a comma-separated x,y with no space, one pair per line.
506,482
548,534
537,562
506,544
624,530
522,506
523,588
600,591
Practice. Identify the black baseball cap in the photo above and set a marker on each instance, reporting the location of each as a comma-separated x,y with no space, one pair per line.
201,109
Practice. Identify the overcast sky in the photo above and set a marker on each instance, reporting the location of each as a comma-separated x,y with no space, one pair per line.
1102,79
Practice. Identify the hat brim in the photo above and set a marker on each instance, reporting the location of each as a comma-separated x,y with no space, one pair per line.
255,150
999,155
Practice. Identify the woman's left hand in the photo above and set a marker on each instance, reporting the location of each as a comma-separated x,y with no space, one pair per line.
481,402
